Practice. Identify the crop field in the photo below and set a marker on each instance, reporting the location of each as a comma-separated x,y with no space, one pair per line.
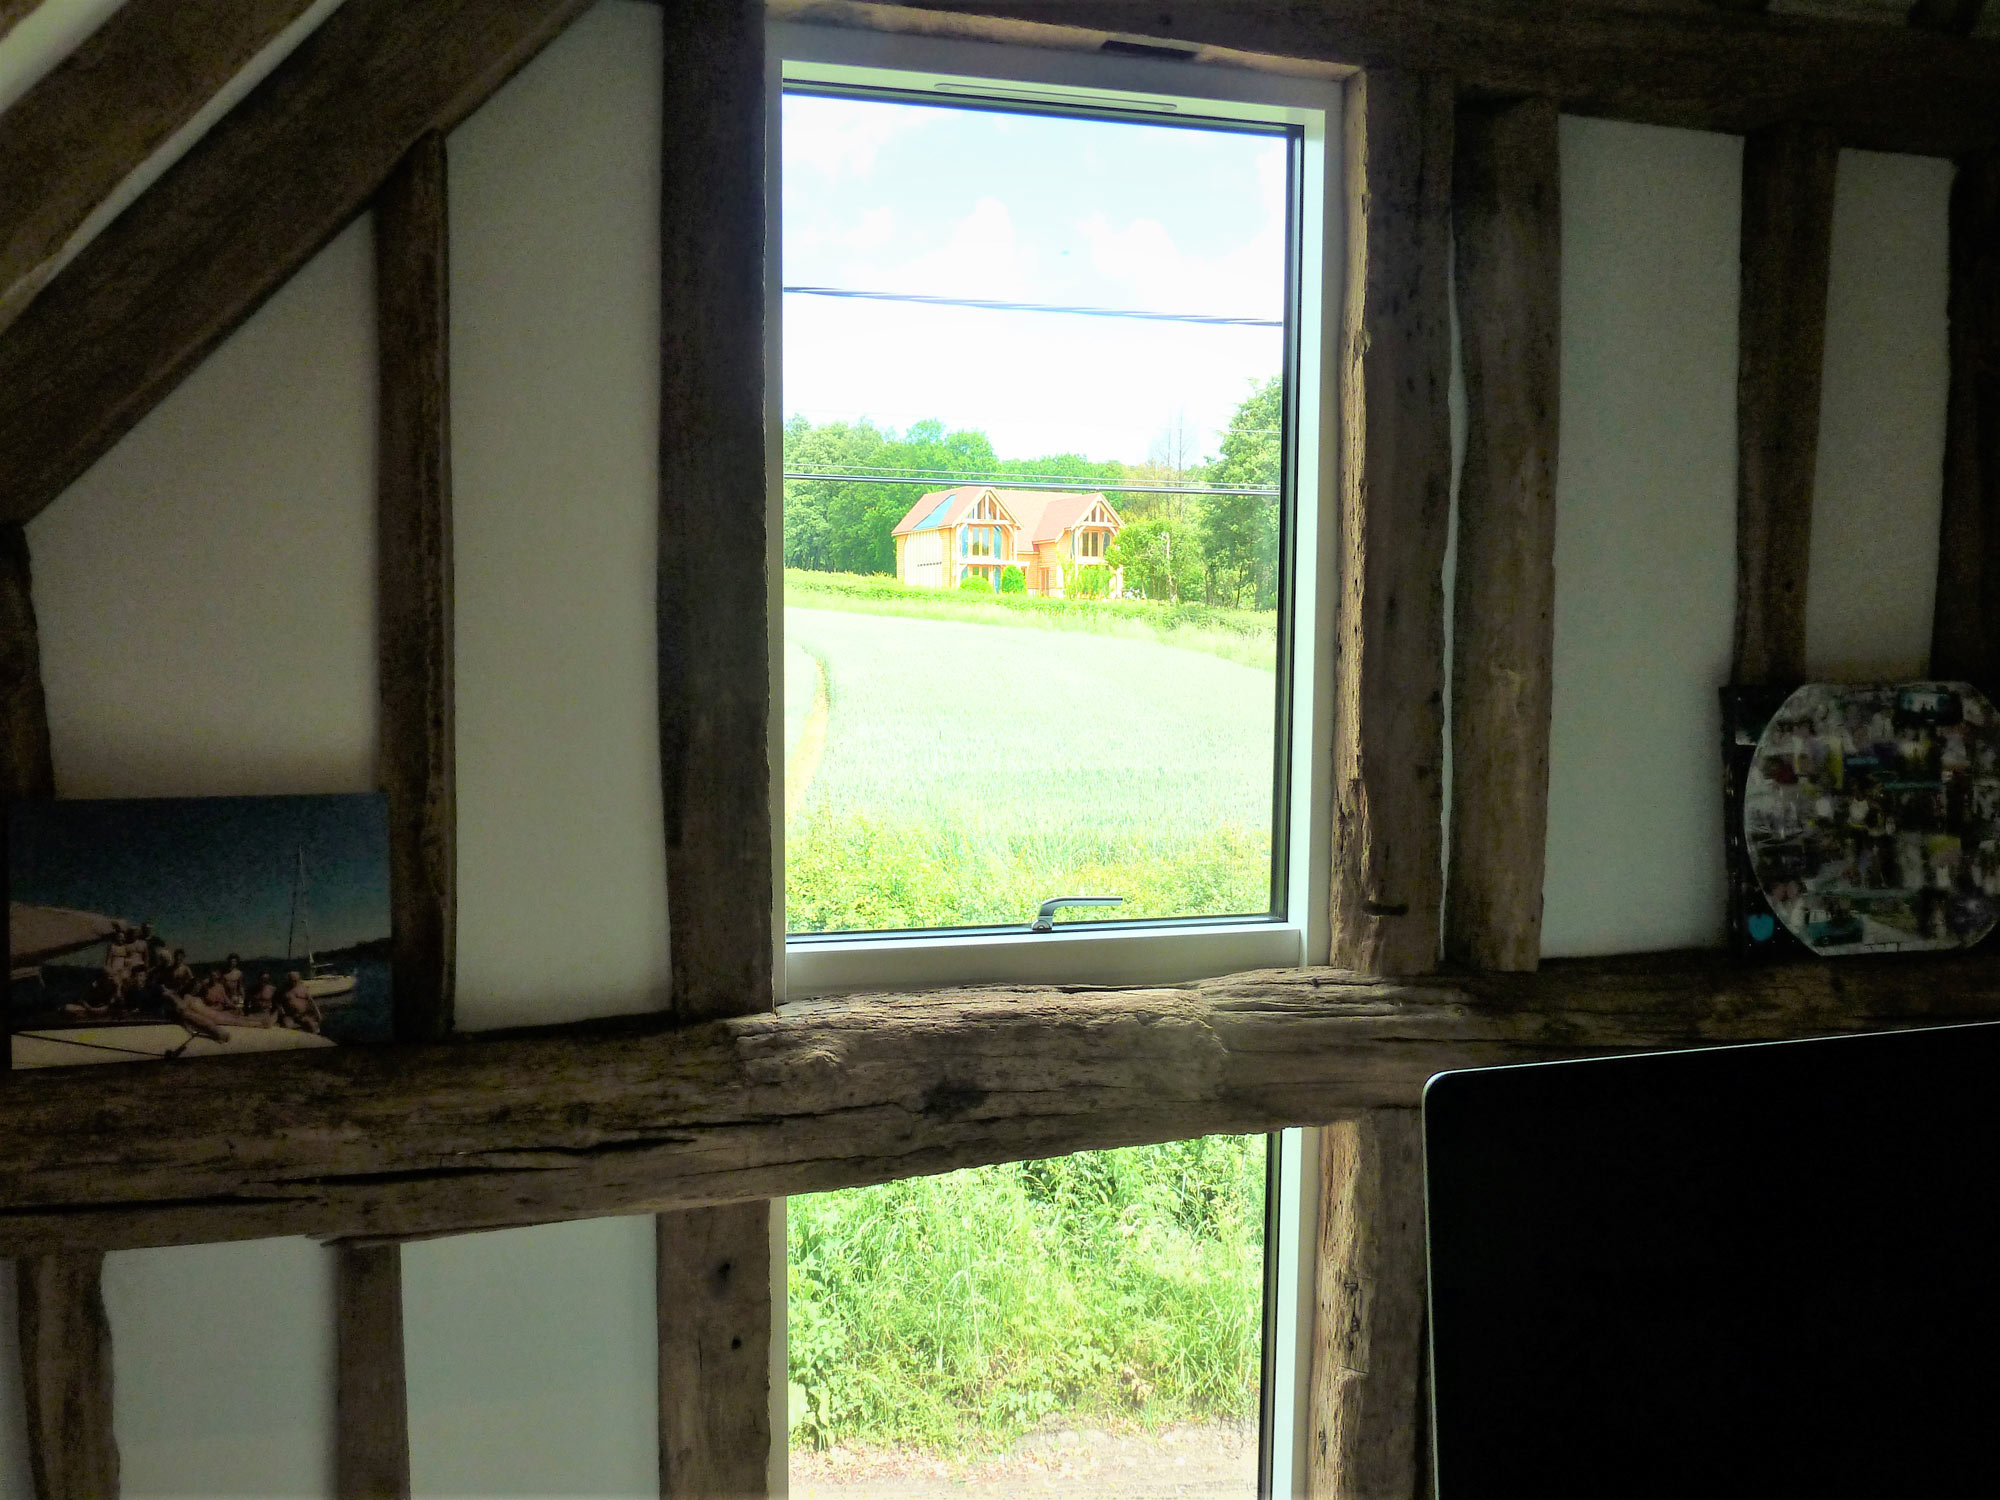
952,1314
950,771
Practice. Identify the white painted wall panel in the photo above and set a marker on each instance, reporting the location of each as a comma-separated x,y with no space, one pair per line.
532,1361
555,421
1645,537
1879,486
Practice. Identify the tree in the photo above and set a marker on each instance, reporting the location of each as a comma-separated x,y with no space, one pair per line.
1162,558
1240,532
848,526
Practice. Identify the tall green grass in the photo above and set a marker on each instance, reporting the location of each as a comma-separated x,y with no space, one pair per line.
955,1313
1248,636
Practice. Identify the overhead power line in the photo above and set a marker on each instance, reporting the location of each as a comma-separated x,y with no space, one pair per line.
991,305
1036,482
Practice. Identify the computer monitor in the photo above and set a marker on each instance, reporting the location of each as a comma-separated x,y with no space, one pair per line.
1764,1271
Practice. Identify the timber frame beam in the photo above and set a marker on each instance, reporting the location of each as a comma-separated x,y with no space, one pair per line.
1886,88
624,1117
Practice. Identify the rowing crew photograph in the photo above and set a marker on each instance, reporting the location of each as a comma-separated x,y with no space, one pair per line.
170,928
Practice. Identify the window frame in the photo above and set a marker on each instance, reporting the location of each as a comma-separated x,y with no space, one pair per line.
1110,952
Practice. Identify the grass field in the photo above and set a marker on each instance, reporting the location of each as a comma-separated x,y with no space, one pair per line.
965,769
954,1313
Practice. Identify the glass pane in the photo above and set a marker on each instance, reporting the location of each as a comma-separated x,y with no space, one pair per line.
1085,1326
998,693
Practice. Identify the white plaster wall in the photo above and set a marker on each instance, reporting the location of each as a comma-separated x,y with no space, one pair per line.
1877,490
1645,537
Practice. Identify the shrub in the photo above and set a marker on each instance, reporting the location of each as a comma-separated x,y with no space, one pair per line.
1088,582
975,583
1013,580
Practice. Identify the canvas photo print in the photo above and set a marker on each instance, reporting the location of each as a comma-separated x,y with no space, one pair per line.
1871,817
195,927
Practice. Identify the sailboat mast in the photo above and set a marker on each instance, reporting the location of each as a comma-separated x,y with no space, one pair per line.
298,882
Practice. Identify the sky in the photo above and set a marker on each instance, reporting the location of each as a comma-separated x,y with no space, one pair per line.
1024,208
213,875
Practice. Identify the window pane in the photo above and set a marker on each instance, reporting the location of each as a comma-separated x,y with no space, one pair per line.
1090,1325
1033,550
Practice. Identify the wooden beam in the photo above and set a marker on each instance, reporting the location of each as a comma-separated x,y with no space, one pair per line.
371,1407
713,594
715,1350
1965,630
1953,17
1507,193
98,116
1395,505
273,181
714,1264
1788,177
1368,1344
66,1375
1887,88
26,769
12,12
584,1121
414,602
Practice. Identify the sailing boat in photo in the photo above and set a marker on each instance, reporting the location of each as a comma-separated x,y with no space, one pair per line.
328,984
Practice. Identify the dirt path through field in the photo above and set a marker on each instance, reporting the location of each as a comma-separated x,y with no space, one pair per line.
1209,1460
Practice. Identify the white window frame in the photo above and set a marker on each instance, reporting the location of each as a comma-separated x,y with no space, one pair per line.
1090,953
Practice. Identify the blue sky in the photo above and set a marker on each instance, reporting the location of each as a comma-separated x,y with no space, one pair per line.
213,875
1024,208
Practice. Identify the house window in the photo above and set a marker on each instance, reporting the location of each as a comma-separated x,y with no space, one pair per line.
1072,308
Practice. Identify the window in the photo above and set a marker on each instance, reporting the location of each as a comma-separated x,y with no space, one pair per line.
986,704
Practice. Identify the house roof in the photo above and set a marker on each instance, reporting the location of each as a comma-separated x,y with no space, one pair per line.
1042,515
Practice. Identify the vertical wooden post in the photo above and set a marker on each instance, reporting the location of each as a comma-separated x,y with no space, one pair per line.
413,497
1395,506
64,1336
1788,181
1965,629
371,1409
714,1282
66,1376
1368,1342
1507,195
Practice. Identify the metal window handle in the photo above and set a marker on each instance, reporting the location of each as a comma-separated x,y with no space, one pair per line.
1045,919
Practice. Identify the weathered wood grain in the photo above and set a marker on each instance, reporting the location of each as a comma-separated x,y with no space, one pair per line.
1368,1342
715,1351
714,645
100,113
414,600
1953,17
26,769
66,1375
1888,88
1395,504
273,181
371,1408
1507,194
1788,174
580,1122
1965,625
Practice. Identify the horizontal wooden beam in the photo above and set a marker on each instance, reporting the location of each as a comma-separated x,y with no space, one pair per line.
256,197
96,118
1888,88
610,1118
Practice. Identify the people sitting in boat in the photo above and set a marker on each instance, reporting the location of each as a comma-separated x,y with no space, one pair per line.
215,994
297,1008
263,1001
232,981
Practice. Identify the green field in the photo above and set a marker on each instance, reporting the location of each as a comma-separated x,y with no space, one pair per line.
954,1313
977,759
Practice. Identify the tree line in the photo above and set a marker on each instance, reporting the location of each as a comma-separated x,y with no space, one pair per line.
1215,549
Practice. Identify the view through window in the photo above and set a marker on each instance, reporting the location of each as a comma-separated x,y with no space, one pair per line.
1036,551
1034,539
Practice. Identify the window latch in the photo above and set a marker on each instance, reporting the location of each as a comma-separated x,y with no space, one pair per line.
1045,919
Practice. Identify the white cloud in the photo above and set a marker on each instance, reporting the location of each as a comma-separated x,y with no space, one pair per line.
983,258
835,139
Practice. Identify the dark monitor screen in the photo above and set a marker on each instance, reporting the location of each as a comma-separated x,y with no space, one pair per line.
1747,1271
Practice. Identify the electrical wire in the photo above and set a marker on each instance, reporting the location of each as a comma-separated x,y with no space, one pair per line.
1035,482
992,305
